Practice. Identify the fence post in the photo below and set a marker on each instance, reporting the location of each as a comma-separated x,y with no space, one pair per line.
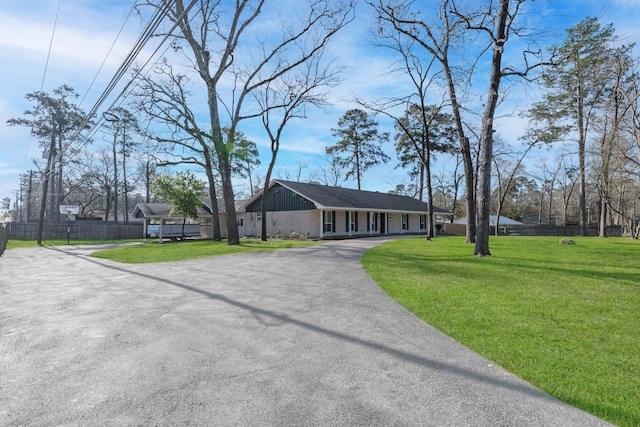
4,237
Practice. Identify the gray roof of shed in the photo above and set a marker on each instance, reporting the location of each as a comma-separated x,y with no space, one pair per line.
325,196
163,210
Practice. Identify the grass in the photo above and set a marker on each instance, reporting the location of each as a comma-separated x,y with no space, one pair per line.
24,243
563,317
190,249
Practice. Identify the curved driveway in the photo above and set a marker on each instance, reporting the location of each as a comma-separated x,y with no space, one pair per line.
293,337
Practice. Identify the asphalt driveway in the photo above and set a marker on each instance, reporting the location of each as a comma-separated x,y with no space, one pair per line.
292,337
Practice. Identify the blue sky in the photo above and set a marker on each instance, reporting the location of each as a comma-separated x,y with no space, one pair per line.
86,30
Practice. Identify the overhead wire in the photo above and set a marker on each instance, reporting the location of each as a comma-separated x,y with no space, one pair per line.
104,61
44,74
53,33
154,23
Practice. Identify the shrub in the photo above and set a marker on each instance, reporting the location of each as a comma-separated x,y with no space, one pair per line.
567,242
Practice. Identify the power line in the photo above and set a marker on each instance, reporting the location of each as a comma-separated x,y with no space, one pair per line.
44,74
104,61
144,37
153,24
138,72
46,65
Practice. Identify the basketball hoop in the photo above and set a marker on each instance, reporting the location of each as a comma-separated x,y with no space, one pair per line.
70,211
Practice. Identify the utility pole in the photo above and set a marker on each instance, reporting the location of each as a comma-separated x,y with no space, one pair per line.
45,185
29,190
124,172
110,117
16,207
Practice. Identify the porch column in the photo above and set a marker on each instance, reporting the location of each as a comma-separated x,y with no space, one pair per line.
144,230
322,224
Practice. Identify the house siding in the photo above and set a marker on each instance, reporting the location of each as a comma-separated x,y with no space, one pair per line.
310,223
284,223
280,198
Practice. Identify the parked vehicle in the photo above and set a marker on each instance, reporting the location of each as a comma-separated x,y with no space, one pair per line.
173,231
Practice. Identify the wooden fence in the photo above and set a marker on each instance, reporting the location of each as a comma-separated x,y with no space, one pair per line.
78,230
535,230
4,236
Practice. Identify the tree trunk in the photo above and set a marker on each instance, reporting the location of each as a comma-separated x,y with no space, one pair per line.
115,177
265,191
45,184
422,173
486,137
52,187
124,176
108,207
465,151
58,195
215,212
233,237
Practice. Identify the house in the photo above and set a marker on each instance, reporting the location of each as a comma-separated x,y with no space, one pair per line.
321,211
535,219
207,222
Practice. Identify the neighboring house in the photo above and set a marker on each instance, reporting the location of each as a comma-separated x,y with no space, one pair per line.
157,220
535,219
321,211
222,215
492,221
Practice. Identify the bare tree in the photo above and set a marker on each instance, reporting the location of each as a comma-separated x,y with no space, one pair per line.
497,24
97,169
165,98
296,172
287,97
436,38
609,124
224,50
424,129
330,172
507,163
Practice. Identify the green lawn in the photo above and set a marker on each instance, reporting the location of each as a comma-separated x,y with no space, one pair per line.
565,318
179,251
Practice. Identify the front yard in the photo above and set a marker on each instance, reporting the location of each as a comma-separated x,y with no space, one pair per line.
563,317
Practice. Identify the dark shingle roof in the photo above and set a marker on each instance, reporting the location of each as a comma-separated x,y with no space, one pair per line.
325,196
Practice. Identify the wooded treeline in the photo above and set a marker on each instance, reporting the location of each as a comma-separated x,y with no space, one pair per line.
586,116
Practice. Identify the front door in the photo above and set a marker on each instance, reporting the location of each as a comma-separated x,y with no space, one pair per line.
383,223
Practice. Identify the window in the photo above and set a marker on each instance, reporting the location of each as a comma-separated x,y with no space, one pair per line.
259,216
328,221
405,221
354,221
423,222
240,222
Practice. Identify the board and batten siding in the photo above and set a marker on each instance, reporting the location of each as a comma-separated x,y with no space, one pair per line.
280,198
